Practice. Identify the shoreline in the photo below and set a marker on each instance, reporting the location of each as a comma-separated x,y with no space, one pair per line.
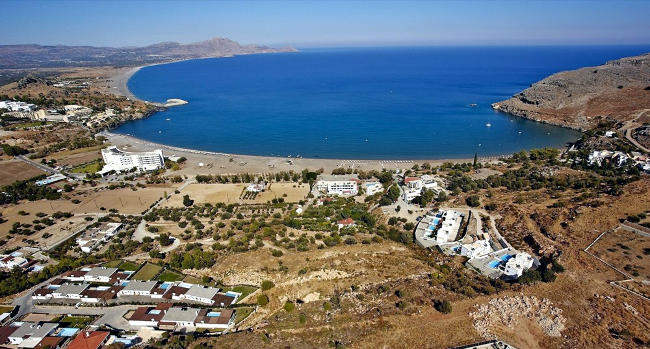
119,86
205,162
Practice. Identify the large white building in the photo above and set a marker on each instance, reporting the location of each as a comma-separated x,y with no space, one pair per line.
16,106
118,161
338,184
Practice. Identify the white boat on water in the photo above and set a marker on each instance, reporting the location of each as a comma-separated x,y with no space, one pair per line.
488,125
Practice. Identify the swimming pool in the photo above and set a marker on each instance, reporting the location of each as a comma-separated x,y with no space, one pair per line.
506,257
494,264
214,314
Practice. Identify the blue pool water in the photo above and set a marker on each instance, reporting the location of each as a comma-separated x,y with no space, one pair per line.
358,103
494,264
506,257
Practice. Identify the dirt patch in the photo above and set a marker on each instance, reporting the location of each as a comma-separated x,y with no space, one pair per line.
15,170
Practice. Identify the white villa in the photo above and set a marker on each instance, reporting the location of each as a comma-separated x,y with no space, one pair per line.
373,188
95,237
119,161
516,265
338,184
256,187
440,228
476,249
412,188
599,156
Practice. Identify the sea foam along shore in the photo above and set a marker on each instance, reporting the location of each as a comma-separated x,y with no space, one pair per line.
203,162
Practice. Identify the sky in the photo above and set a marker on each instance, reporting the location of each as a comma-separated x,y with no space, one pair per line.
326,23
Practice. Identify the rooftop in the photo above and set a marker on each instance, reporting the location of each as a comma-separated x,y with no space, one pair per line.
88,340
202,292
137,285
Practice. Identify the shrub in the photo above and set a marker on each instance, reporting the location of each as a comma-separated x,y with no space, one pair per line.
276,253
327,306
262,300
267,285
289,306
443,306
473,201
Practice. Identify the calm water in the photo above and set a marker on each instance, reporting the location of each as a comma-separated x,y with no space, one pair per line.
370,103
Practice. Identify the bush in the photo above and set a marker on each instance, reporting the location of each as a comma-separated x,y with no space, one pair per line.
289,306
473,201
327,306
276,253
267,285
262,300
548,275
443,306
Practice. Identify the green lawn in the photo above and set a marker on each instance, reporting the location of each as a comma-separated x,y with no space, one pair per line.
76,321
30,124
92,167
147,272
242,313
169,275
193,280
129,266
113,264
244,290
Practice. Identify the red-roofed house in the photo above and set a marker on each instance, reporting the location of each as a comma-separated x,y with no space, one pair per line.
89,340
348,222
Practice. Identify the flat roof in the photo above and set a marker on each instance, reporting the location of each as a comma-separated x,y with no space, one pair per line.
101,271
202,292
176,314
137,285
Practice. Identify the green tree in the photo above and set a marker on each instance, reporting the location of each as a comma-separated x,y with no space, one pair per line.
443,306
187,201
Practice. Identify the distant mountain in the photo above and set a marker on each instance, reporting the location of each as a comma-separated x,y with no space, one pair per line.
618,89
39,56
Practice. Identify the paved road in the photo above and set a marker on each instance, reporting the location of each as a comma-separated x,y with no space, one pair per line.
38,165
631,125
111,316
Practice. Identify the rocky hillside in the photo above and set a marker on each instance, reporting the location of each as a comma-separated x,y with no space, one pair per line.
38,56
618,89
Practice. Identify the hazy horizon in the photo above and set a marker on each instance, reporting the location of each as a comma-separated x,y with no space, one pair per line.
309,24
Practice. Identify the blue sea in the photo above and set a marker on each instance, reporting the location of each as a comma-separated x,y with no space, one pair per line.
358,103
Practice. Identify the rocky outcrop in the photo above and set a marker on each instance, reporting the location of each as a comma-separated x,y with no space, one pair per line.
581,98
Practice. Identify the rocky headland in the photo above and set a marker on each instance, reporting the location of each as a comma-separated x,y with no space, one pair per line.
580,99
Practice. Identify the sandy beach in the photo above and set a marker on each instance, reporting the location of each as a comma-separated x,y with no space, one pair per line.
205,162
118,82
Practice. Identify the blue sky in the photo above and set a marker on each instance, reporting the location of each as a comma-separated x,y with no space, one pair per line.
327,23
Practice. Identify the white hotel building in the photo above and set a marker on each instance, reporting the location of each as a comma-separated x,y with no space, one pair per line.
118,161
338,184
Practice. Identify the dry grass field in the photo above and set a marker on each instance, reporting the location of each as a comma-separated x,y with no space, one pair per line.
77,156
230,193
14,170
625,250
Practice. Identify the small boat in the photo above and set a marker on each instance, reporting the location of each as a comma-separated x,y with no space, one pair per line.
167,119
159,131
473,105
520,132
488,125
366,140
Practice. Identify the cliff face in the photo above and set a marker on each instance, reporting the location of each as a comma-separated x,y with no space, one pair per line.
38,56
580,98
